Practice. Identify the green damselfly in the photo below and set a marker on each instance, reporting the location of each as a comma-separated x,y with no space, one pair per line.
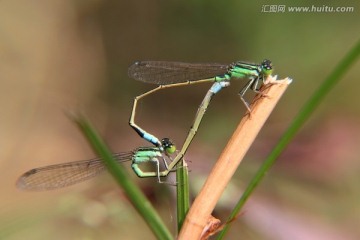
175,74
66,174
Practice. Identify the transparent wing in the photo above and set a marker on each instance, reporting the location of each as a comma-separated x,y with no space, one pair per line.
65,174
163,72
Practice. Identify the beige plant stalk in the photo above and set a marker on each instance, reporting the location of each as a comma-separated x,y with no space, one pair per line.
231,157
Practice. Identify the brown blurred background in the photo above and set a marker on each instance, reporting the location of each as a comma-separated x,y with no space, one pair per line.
60,56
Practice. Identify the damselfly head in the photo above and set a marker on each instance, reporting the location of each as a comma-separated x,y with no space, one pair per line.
168,145
266,67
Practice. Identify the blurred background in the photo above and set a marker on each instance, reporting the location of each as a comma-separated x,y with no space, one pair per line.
60,56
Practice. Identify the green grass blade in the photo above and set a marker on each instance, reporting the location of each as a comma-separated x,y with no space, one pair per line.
182,192
297,123
136,197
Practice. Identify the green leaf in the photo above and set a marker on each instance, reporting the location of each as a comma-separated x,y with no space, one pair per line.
298,122
136,197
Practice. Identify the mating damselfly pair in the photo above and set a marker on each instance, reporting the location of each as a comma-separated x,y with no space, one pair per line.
165,75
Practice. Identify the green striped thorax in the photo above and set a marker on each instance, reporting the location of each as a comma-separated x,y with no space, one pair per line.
143,154
243,70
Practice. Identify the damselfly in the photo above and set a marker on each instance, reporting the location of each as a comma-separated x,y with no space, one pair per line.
175,74
66,174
